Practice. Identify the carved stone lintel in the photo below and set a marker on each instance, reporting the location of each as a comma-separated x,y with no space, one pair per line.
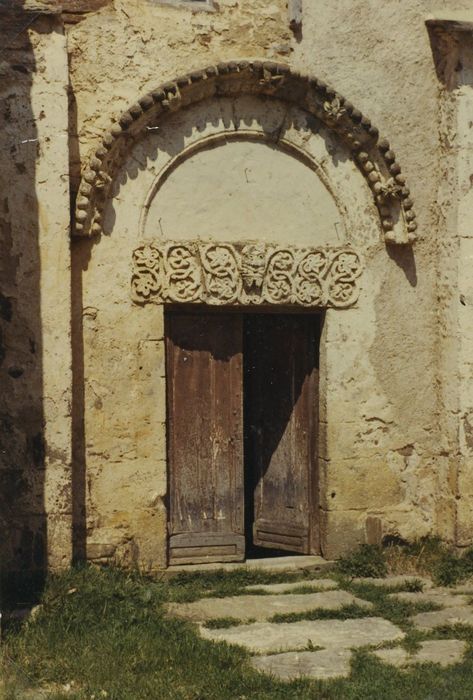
230,274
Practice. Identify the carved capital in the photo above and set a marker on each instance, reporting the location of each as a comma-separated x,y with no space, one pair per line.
245,273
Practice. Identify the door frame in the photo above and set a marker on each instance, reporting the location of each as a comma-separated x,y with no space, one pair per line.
315,522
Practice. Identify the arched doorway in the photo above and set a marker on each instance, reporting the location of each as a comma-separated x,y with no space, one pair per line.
241,209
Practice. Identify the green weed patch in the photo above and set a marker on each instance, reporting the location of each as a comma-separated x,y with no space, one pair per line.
104,633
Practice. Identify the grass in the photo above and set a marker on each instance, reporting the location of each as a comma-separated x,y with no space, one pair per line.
367,560
428,556
187,587
396,611
219,623
453,568
303,588
347,612
414,586
374,681
105,633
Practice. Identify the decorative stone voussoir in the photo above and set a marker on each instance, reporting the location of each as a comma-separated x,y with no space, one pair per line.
245,273
268,79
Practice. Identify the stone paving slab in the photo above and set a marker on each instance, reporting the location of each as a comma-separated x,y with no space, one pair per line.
267,637
393,581
325,584
447,616
323,664
439,651
256,607
439,596
310,562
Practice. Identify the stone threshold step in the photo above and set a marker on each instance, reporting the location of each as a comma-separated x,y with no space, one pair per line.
291,563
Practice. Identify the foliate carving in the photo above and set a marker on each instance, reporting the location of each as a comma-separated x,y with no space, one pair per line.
334,109
221,273
390,189
309,270
226,274
148,272
344,268
278,280
183,274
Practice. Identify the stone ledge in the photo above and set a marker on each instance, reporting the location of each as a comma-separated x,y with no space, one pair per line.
456,21
322,664
83,6
268,637
461,615
278,564
39,7
194,6
394,581
326,584
260,608
444,652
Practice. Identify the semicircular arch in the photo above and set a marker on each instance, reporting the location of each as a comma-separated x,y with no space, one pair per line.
372,155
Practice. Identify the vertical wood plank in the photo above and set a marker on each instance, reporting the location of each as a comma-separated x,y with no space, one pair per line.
205,448
281,380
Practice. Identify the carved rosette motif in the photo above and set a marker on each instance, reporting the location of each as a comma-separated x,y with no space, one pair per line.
228,274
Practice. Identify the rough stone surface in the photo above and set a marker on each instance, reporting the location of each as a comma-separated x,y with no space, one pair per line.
444,652
462,615
266,637
394,581
322,664
439,596
35,300
321,584
289,564
256,607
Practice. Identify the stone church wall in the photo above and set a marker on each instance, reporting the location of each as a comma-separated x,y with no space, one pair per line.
35,371
394,437
382,469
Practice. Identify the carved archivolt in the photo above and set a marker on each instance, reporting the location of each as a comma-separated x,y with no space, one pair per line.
225,274
374,156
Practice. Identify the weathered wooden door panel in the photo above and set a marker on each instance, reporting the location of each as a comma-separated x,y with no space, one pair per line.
205,443
280,386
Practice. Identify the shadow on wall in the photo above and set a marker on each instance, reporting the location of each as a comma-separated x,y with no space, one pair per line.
404,258
23,529
80,255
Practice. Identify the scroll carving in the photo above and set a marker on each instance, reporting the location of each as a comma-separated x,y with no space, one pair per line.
229,274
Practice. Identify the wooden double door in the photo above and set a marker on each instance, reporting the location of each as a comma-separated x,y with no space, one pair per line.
242,425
